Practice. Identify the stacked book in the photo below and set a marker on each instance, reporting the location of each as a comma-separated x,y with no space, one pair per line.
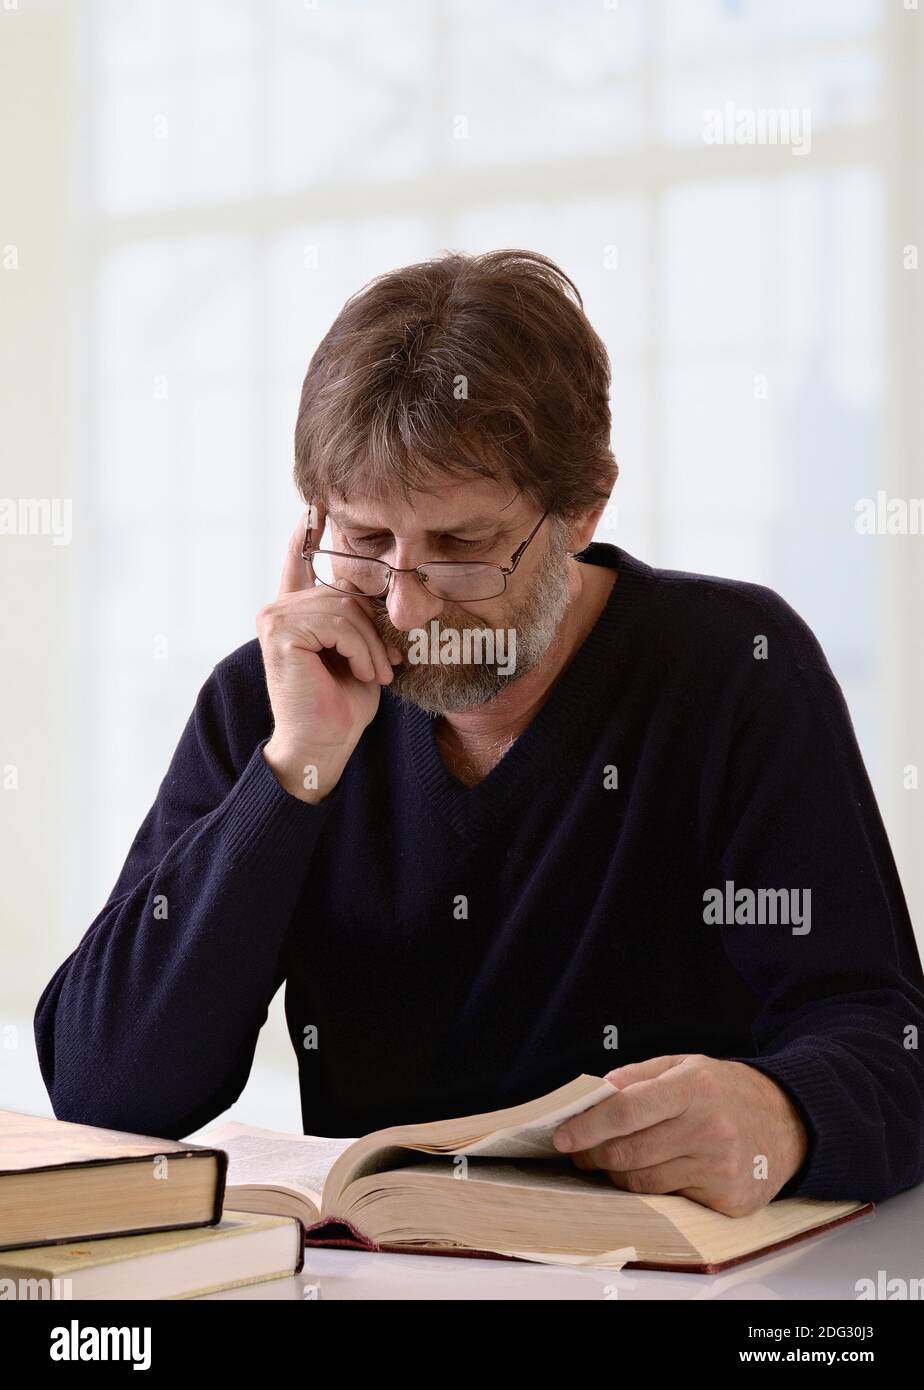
89,1213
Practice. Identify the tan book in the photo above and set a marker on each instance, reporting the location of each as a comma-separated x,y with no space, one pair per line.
61,1181
242,1249
495,1185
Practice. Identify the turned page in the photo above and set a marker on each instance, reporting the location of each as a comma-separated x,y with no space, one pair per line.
518,1131
533,1138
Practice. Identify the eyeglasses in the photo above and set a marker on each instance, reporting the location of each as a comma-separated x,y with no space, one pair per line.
460,581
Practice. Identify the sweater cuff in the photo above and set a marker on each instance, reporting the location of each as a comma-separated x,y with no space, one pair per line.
828,1171
263,825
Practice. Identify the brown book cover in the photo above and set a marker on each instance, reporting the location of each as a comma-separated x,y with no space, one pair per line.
38,1144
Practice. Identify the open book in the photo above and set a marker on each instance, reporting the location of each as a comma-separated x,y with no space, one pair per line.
494,1184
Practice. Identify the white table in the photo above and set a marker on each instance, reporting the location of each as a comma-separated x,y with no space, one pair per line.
826,1267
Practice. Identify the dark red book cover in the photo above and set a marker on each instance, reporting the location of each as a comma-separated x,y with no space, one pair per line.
342,1234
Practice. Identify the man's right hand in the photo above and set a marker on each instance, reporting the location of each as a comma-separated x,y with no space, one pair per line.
325,667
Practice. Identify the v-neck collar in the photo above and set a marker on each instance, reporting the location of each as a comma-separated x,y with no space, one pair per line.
541,749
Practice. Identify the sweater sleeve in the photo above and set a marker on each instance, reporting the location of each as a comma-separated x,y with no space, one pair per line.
151,1024
840,1006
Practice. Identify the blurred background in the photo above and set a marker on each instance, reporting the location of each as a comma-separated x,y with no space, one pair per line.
190,189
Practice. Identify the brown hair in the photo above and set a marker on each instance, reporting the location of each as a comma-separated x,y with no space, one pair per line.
460,365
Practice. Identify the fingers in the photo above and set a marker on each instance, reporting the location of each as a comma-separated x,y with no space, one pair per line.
645,1149
318,620
358,611
296,571
644,1071
642,1104
318,517
297,579
682,1176
335,632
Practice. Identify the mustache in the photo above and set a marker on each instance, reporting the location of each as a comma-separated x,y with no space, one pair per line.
401,637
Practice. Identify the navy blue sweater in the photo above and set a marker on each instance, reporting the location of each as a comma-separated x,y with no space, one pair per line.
449,950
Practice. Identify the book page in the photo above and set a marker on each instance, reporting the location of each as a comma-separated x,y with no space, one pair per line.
266,1158
608,1259
558,1175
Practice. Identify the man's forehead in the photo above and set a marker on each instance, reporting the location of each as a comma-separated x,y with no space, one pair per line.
451,511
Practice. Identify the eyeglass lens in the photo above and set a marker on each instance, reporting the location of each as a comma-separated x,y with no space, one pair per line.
456,580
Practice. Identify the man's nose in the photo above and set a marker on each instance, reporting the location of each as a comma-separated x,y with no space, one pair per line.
409,604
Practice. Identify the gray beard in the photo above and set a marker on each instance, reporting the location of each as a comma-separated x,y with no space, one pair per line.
451,688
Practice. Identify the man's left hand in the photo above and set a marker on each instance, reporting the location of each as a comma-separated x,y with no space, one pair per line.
721,1133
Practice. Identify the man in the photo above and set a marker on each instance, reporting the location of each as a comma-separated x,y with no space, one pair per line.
646,848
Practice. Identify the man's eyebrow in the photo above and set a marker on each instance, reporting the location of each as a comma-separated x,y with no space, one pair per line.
472,523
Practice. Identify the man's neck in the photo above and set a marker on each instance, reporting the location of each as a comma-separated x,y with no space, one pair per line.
507,715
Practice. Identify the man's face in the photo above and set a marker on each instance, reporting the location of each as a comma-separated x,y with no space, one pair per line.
469,521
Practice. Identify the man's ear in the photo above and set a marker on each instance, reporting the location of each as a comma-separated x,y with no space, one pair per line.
582,531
